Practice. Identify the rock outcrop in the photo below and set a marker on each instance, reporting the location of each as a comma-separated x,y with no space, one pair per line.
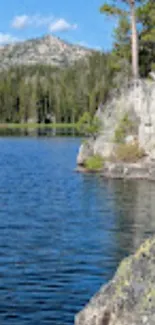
135,102
129,299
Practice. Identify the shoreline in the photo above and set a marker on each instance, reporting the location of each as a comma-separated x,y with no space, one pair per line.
139,171
38,125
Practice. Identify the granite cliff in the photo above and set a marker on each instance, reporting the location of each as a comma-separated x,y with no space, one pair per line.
128,118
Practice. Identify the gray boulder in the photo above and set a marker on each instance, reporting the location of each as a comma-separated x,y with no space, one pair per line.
129,299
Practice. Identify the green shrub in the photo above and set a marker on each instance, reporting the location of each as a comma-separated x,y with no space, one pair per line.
123,129
129,152
88,125
94,163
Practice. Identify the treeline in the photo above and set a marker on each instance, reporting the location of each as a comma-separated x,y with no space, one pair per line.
39,93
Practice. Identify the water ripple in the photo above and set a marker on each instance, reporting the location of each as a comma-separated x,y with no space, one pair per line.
62,234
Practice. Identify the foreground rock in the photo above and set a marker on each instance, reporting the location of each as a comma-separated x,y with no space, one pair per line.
129,299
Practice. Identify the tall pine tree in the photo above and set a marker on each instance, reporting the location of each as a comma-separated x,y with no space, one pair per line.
124,8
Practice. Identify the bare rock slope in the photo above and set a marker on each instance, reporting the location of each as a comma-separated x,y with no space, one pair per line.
46,50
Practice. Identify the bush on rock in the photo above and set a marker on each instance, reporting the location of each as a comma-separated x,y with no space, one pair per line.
129,152
94,163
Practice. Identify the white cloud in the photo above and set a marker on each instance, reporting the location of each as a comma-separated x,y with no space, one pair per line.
7,39
20,22
53,24
61,25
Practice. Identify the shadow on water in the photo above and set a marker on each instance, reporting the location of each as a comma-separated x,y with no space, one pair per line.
122,214
133,205
134,209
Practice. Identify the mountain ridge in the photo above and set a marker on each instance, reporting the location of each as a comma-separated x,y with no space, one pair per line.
44,50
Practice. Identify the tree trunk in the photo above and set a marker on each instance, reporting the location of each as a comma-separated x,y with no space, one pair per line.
134,40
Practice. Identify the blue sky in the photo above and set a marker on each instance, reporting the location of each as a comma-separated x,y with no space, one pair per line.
75,21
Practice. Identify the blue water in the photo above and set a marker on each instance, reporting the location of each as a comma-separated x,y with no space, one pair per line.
62,234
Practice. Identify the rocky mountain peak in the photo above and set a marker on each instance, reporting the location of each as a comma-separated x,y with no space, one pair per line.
46,50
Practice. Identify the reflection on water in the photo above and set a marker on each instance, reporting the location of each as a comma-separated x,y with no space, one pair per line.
135,207
62,234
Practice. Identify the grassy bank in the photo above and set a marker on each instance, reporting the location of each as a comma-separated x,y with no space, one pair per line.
37,126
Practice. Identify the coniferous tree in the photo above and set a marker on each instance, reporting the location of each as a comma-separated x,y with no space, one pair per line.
123,8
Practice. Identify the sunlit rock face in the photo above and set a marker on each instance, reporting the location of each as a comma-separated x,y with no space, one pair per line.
130,297
137,102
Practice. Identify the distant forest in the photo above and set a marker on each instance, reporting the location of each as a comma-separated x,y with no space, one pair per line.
36,93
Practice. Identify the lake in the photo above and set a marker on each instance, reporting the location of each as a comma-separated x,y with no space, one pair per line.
62,234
